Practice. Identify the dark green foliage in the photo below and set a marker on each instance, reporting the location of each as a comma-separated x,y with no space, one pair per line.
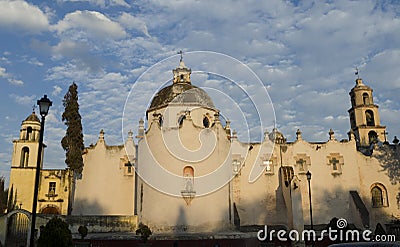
144,232
55,233
72,142
83,231
3,196
10,201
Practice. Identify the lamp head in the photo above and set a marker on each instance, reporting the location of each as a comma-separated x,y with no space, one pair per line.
308,174
44,105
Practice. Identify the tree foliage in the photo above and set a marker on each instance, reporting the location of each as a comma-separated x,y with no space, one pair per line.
72,142
83,231
55,233
144,232
3,196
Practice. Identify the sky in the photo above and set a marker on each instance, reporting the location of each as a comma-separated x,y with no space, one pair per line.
120,52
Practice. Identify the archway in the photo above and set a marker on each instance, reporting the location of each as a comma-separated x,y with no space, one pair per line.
50,210
18,225
372,137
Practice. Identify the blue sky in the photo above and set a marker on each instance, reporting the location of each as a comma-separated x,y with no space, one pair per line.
304,52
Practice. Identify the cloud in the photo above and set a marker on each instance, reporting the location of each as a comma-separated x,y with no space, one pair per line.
79,51
101,3
24,100
20,15
57,90
133,23
92,23
9,77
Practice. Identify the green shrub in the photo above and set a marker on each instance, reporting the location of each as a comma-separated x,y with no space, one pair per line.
55,233
144,232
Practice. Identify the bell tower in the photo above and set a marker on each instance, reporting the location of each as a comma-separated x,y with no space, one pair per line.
23,163
26,147
364,116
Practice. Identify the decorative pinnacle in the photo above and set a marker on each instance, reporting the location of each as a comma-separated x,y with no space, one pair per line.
357,73
181,53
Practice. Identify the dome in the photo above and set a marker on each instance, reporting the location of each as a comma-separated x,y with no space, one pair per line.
33,117
181,93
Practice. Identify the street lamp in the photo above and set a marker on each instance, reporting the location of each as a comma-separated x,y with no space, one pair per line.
308,174
44,105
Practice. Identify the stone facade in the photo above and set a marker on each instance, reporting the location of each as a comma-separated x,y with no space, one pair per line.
189,173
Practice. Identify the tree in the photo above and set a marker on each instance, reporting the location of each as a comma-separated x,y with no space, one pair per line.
11,200
144,232
55,233
83,231
3,196
72,142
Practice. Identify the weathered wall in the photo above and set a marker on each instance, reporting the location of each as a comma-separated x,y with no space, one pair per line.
162,162
106,186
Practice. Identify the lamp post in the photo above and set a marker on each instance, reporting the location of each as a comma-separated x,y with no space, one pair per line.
308,174
44,105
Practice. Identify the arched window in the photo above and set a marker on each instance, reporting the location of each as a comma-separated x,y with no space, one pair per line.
379,195
24,157
188,175
372,136
29,133
180,119
369,116
206,122
366,99
160,120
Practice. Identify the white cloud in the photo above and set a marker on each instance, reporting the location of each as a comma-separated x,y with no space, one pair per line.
20,15
101,3
133,23
15,82
35,61
10,78
57,90
24,100
80,23
3,72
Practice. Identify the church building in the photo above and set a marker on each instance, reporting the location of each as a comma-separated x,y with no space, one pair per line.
187,172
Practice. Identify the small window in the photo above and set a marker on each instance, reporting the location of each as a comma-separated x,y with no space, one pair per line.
372,137
366,99
301,164
52,188
181,77
188,175
160,120
379,196
180,119
24,157
206,122
377,199
369,115
29,134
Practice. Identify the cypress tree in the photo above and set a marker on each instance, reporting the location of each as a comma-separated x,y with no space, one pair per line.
72,142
